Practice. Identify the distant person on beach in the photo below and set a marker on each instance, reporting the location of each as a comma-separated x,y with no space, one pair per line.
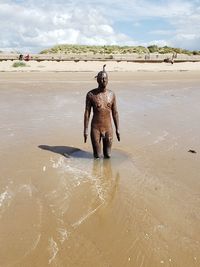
27,57
103,103
20,57
168,60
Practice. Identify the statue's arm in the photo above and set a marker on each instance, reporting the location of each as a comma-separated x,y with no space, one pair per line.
87,116
115,116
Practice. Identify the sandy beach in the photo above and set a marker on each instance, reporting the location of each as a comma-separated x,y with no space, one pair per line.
90,66
59,207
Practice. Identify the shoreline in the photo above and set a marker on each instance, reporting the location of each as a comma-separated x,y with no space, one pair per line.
88,76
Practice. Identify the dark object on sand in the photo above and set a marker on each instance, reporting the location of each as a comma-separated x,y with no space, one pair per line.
168,60
171,60
192,151
67,151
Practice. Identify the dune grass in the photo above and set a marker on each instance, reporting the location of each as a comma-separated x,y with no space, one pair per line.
19,64
115,49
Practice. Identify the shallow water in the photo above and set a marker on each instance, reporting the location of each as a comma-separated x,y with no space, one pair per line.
59,207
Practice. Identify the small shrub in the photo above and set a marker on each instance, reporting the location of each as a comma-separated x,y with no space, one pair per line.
195,53
19,64
153,48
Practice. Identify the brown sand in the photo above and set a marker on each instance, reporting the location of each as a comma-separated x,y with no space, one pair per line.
141,208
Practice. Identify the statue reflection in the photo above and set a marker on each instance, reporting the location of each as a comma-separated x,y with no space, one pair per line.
107,180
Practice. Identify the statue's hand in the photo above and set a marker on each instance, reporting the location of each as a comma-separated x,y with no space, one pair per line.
118,135
85,136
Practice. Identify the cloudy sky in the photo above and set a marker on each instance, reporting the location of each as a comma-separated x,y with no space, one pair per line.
33,25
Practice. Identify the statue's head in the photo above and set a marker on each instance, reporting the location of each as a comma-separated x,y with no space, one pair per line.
102,78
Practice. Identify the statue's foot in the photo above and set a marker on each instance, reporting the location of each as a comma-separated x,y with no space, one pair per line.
107,156
96,156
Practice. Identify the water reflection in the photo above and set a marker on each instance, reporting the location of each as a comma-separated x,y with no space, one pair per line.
78,190
108,179
69,194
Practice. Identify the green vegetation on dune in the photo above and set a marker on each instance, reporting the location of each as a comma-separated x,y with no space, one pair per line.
86,49
19,64
114,49
167,49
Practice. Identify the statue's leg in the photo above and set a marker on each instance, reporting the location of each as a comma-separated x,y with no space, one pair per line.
107,144
96,142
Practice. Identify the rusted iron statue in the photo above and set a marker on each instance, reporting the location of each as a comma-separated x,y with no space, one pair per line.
103,103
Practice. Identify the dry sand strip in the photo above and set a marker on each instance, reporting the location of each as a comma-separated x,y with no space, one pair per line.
88,66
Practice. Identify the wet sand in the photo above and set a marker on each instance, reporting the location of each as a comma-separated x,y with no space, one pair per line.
59,207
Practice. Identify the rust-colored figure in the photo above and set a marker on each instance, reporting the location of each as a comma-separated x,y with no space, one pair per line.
103,102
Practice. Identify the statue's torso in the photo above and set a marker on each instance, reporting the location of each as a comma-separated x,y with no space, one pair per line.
101,103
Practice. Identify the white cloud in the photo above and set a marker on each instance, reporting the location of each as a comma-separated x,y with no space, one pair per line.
182,15
38,24
158,43
162,32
